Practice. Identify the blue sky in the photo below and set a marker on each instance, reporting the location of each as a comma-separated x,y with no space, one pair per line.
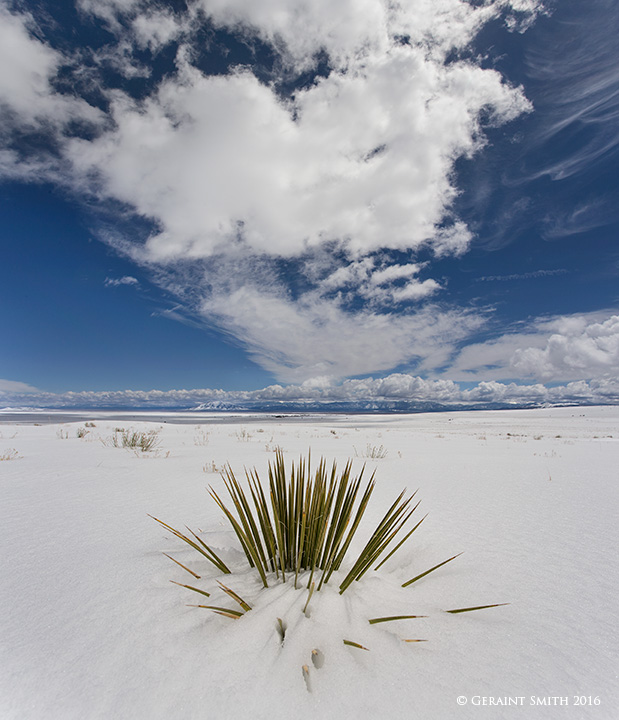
309,200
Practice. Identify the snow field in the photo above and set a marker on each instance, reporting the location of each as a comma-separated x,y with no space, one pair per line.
91,627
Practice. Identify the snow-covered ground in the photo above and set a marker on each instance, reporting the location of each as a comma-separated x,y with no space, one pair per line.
91,627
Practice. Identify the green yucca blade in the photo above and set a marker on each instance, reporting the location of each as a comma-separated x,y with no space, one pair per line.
381,543
191,572
374,621
246,543
191,587
316,525
262,509
295,513
309,597
324,504
256,534
239,525
227,614
345,543
278,495
404,539
355,645
344,503
281,502
332,495
236,597
478,607
246,517
427,572
298,522
361,508
216,559
386,531
234,614
377,542
301,547
336,518
279,534
202,547
319,514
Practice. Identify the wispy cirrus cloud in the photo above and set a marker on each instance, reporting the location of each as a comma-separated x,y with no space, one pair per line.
522,276
125,280
582,90
315,337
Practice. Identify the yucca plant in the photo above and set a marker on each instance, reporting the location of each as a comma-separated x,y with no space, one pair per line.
302,524
305,523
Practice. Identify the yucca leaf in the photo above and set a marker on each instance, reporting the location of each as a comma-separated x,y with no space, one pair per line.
234,614
191,572
202,547
355,645
246,543
404,539
380,540
309,597
236,597
264,518
374,621
412,640
246,518
377,543
427,572
191,587
217,561
478,607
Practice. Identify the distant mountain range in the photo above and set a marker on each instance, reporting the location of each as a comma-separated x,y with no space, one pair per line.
298,407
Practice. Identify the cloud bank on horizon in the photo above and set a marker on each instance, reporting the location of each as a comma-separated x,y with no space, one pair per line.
303,199
397,391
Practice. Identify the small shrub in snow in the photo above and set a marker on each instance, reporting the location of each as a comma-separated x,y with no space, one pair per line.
144,441
211,467
201,437
10,454
373,452
243,435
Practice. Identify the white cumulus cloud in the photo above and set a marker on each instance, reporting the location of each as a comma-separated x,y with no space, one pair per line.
27,69
556,349
575,348
398,390
233,173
